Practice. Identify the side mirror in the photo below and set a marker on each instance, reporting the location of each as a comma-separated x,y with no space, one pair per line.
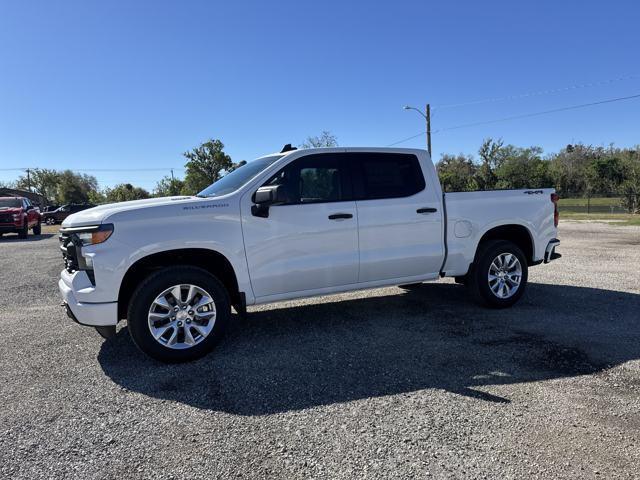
269,195
265,197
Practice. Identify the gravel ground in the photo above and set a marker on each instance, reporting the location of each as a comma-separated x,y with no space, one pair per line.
376,384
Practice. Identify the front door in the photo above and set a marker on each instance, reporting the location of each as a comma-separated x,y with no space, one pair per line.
309,243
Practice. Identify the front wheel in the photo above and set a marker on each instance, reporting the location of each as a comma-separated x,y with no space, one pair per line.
37,230
24,231
50,221
178,314
499,275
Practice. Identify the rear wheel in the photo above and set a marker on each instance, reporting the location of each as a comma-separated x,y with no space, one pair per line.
499,276
178,314
50,221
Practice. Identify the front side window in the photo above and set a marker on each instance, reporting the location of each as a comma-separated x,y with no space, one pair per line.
387,175
316,178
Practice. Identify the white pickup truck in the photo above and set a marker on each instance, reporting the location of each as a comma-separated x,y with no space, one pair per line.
294,224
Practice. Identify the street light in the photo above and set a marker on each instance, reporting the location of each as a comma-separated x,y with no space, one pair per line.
427,117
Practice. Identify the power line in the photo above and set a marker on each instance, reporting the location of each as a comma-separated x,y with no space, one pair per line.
525,115
539,92
535,114
24,169
125,169
407,139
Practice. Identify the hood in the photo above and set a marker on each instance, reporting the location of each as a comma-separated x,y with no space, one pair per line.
10,209
95,215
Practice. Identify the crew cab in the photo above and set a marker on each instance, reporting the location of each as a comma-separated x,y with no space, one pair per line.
18,215
298,223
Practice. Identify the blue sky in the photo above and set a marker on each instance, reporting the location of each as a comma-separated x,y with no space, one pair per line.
124,84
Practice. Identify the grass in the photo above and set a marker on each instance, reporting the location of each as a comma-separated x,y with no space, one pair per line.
617,219
595,201
50,228
600,205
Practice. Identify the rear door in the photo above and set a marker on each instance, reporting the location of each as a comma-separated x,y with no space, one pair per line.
399,217
311,242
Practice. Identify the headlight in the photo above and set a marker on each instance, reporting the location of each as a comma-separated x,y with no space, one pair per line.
91,235
16,216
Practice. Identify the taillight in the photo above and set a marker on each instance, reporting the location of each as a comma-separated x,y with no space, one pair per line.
556,215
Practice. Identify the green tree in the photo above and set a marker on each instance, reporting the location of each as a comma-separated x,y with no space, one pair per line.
605,174
325,139
75,187
42,181
630,186
97,197
205,164
490,153
168,187
569,168
521,168
124,192
457,173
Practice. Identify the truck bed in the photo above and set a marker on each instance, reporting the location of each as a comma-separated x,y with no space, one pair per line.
469,215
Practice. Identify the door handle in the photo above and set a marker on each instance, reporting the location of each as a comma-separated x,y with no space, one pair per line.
427,210
340,216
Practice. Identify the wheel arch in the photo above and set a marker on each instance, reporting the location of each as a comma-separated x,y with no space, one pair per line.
210,260
516,233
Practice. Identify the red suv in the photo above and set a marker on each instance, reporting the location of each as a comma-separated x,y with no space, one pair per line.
18,215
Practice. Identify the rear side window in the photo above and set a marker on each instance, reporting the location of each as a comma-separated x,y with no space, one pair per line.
386,175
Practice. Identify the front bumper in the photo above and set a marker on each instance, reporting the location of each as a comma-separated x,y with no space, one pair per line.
10,227
91,314
550,252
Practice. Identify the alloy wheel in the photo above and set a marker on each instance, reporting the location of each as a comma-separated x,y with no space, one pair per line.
182,316
505,275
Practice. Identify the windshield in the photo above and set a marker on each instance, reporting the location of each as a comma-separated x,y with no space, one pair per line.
10,203
234,180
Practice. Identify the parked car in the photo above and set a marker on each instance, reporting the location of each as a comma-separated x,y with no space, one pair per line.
59,214
18,215
289,225
49,208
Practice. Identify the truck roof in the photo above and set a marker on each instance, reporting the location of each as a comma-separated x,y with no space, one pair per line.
352,149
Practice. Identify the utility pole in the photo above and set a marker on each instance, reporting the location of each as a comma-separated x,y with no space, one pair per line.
28,179
172,179
428,111
427,116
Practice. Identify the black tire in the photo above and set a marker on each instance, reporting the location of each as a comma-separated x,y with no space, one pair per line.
37,230
462,280
153,286
478,280
50,221
24,231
